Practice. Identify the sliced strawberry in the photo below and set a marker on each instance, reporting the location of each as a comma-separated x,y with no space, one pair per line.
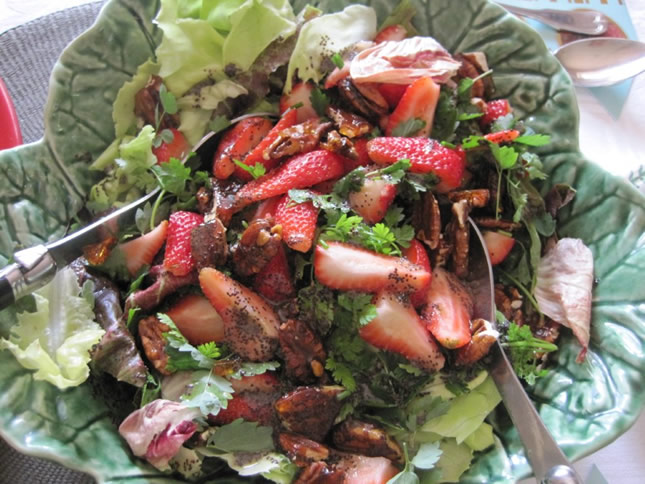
373,199
494,110
300,171
197,319
236,143
250,325
417,254
498,245
448,310
141,251
337,75
265,382
394,32
425,155
350,268
240,406
178,258
360,145
274,281
359,469
419,101
256,155
177,148
392,92
397,327
298,221
300,96
505,136
266,208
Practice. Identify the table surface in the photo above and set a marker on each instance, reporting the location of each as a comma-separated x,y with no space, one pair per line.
613,143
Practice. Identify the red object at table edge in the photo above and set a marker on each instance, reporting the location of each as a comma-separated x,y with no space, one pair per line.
10,134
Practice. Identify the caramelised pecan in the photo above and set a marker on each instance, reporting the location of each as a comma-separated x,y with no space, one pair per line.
304,354
147,105
302,451
483,337
349,124
260,241
548,331
475,198
339,144
320,473
426,220
154,345
367,439
223,200
208,244
459,232
493,223
300,138
309,411
472,65
368,107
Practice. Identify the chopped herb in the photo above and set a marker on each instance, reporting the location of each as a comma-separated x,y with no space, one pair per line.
319,101
341,374
256,171
297,105
506,156
360,305
469,116
409,127
172,176
209,350
181,354
452,146
337,59
471,141
210,393
533,139
168,100
525,350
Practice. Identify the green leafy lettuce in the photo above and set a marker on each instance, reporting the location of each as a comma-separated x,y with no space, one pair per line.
56,339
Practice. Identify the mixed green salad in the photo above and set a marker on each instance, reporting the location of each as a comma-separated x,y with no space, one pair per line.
294,305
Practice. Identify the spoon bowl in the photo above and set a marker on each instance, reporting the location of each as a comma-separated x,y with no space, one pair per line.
603,61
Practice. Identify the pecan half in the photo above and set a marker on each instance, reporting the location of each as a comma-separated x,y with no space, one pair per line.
355,98
208,244
320,473
472,65
475,198
349,124
300,138
309,411
340,144
459,232
260,241
483,337
367,439
301,450
154,345
304,355
426,220
493,223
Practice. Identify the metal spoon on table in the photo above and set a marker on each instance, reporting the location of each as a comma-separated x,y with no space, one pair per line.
603,61
549,464
587,22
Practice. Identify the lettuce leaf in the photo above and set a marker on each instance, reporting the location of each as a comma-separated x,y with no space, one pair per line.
56,339
254,25
466,412
314,44
218,12
454,461
482,438
271,465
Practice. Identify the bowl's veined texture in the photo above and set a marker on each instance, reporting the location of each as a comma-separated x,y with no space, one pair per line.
42,186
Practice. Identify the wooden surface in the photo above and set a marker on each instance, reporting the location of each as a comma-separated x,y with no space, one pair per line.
601,137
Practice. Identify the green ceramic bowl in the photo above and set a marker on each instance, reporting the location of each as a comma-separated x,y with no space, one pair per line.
42,186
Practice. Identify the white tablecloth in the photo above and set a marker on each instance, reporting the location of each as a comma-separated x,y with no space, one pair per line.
616,144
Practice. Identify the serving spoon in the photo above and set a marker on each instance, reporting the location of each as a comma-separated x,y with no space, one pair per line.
602,62
587,22
549,464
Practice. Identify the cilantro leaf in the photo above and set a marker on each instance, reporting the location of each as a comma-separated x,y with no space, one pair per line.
469,116
471,141
409,127
533,139
338,61
525,350
218,124
427,455
209,350
319,101
242,436
341,373
342,229
506,156
181,354
445,116
251,369
210,393
168,100
172,176
256,171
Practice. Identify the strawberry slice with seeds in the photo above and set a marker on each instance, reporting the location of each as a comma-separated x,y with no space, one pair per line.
300,171
373,199
256,155
419,101
265,382
236,143
448,310
274,281
397,327
178,259
417,254
177,148
425,155
141,251
197,319
300,98
359,469
392,92
498,245
494,110
505,136
394,32
252,401
250,324
298,221
350,268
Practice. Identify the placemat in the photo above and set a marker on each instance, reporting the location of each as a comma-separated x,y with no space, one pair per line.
27,55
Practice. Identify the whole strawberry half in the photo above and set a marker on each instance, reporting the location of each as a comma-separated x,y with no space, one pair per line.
418,102
417,254
425,155
397,327
236,143
178,258
298,221
197,319
299,99
350,268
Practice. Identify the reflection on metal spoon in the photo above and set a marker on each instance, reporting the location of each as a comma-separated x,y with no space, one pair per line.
587,22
